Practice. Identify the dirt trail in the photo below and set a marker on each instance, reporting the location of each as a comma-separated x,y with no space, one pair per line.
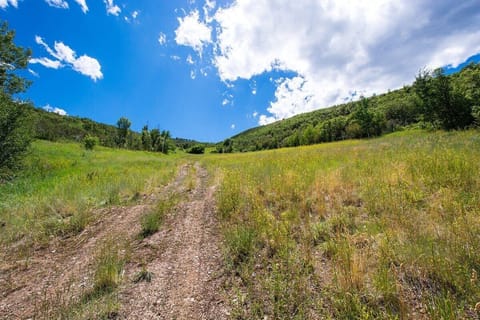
184,258
186,265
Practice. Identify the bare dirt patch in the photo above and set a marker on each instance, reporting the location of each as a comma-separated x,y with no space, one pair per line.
185,260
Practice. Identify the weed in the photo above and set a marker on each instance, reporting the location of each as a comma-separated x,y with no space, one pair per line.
110,260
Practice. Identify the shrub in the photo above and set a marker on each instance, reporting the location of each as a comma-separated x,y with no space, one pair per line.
89,142
197,149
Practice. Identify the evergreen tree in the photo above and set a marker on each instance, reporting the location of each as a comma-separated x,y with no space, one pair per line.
15,125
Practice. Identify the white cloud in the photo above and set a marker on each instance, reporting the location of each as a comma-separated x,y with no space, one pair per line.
225,102
83,5
175,57
62,4
190,59
255,114
135,14
66,56
4,3
46,62
192,32
193,75
112,8
55,110
232,126
162,38
89,67
337,47
35,74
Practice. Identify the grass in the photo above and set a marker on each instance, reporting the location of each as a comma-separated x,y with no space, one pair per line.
384,228
98,301
152,220
62,185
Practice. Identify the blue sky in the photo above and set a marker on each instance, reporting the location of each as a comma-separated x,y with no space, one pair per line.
207,70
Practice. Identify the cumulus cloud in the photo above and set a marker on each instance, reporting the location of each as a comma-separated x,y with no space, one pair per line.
62,4
332,48
5,3
192,32
112,8
83,5
66,56
55,110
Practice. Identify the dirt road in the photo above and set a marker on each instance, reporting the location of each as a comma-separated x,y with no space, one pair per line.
183,257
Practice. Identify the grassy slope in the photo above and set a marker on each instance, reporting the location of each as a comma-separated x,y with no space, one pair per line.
385,228
62,183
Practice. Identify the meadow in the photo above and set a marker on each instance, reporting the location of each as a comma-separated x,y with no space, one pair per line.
386,228
62,184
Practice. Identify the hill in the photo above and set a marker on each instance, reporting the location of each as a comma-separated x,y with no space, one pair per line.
54,127
431,101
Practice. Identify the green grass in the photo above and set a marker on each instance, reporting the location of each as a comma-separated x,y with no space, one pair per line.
152,220
62,184
393,220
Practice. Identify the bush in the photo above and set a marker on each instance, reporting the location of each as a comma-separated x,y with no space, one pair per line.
89,142
197,149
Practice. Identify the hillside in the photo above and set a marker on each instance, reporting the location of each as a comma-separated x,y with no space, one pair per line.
373,116
54,127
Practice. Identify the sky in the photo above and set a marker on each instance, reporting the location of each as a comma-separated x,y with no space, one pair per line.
206,69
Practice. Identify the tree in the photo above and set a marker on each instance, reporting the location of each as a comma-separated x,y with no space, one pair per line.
123,129
165,135
12,58
440,103
146,139
15,124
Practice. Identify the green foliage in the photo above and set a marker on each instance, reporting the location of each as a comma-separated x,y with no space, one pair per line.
197,149
12,58
146,139
89,142
123,130
476,115
441,102
435,100
15,134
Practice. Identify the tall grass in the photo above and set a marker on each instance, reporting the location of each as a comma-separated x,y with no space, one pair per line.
62,184
385,228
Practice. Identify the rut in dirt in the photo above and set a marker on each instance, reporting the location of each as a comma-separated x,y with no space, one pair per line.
186,263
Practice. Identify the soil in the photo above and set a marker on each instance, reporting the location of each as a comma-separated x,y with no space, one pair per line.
183,258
